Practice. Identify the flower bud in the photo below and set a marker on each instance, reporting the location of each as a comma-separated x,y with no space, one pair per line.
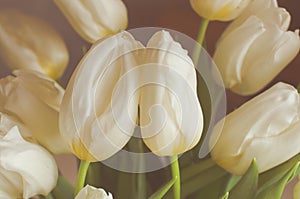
170,114
224,10
255,49
100,107
26,169
266,128
89,192
27,42
94,19
32,100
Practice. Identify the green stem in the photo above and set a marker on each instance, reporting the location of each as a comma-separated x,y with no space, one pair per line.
298,88
176,174
200,39
141,177
82,172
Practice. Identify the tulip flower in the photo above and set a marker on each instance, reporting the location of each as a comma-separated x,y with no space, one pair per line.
94,19
32,100
26,169
100,107
225,10
27,42
266,128
255,49
89,192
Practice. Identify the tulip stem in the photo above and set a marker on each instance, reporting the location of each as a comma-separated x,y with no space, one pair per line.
82,172
200,39
176,175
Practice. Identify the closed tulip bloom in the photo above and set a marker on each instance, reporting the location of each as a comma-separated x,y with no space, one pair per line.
266,128
100,108
26,169
222,10
27,42
255,49
89,192
170,114
93,124
94,19
32,100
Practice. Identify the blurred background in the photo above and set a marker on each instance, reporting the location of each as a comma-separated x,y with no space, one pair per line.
173,14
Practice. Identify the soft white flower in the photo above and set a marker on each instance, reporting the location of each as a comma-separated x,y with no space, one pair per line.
255,48
26,169
89,192
223,10
266,128
94,19
32,100
30,43
100,108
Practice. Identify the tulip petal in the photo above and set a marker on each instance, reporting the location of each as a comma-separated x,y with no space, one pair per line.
264,128
232,50
170,115
89,192
32,163
93,120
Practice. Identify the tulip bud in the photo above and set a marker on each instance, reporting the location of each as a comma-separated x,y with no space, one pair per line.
27,42
94,121
170,114
94,19
255,49
26,169
89,192
100,106
266,128
32,100
225,10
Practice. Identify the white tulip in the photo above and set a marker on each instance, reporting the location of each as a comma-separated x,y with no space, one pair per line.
255,49
100,107
223,10
27,42
170,114
32,100
26,169
89,192
94,19
266,128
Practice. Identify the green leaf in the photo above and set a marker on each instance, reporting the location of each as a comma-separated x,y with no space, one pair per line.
246,188
195,169
204,178
162,192
63,189
232,182
272,176
275,190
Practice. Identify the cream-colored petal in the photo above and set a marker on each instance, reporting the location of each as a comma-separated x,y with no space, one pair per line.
89,192
170,114
94,19
223,10
34,164
93,118
39,112
232,50
266,119
28,42
266,58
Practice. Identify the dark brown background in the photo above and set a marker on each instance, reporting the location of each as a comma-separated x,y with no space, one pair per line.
172,14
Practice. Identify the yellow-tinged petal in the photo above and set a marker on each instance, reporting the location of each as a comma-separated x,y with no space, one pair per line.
27,42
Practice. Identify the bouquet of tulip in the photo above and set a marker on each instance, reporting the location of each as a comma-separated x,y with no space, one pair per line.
145,109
